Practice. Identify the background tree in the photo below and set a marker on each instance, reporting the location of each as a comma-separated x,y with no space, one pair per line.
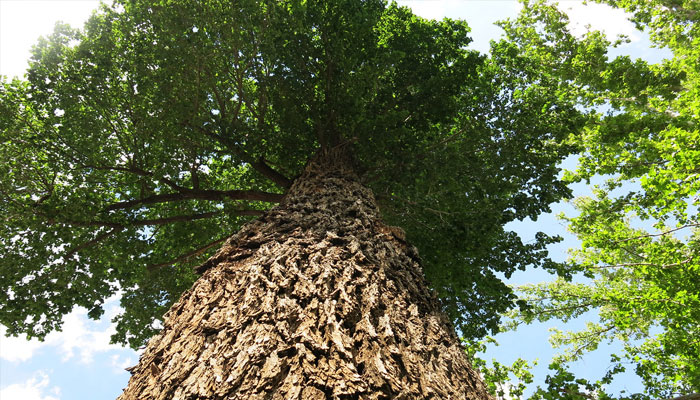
639,232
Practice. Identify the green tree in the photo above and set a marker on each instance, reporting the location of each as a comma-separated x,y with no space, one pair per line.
639,233
139,145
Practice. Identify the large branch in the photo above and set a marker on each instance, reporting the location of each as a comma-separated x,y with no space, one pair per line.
258,164
155,221
136,171
194,253
92,242
265,170
185,218
214,195
692,396
177,218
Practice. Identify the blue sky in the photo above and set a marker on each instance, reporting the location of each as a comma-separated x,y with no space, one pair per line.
79,363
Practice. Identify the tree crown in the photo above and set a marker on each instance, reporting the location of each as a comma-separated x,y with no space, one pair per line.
139,144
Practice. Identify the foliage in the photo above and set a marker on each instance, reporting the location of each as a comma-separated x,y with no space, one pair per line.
503,381
639,233
140,143
515,381
563,385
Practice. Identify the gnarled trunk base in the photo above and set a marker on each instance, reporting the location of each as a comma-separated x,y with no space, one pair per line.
318,299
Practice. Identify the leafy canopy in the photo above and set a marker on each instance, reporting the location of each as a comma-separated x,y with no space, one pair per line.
137,145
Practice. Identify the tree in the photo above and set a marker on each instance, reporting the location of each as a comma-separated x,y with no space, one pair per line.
639,233
138,146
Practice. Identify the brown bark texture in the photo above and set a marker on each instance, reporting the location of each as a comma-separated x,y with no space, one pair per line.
317,299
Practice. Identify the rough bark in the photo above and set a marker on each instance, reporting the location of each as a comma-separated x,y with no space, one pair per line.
317,299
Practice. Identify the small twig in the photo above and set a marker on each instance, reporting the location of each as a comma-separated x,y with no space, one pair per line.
658,234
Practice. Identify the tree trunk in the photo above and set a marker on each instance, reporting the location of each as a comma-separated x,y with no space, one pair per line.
317,299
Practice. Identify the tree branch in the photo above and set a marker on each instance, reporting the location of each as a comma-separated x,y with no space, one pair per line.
92,242
214,195
692,396
588,338
177,218
155,221
136,171
566,308
659,234
625,265
106,224
158,221
259,165
635,100
186,256
184,218
267,171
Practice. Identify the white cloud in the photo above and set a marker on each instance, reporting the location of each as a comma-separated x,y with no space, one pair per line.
479,14
600,17
482,14
23,22
34,388
430,9
80,337
17,348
